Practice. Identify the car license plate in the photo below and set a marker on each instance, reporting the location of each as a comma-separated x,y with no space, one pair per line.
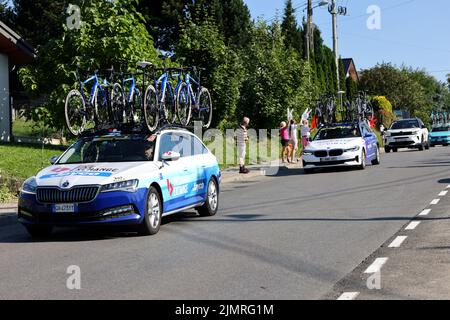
64,208
328,159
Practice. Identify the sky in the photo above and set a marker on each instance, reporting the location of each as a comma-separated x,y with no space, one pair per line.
412,32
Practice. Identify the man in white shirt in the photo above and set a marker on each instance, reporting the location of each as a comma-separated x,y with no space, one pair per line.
242,139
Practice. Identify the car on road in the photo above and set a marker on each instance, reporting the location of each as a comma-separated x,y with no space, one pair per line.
440,136
119,179
342,145
408,133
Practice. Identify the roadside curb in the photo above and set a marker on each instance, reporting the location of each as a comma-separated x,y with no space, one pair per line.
8,208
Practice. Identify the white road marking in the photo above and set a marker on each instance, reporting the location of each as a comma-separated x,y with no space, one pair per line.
425,212
412,225
398,242
435,201
376,266
443,193
348,296
448,187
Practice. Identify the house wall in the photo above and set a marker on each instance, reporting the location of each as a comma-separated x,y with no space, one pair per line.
5,109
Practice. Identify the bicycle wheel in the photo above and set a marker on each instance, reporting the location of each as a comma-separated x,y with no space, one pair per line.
151,110
102,116
168,105
205,109
75,112
118,105
135,114
184,105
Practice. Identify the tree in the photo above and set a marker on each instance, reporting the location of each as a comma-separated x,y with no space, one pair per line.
110,32
383,110
292,33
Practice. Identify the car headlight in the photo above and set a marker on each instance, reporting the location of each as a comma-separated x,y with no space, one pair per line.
354,149
29,186
127,186
308,153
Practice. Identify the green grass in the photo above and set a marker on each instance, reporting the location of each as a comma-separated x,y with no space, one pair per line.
23,161
22,128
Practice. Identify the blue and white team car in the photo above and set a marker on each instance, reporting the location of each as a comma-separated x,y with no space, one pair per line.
122,180
342,145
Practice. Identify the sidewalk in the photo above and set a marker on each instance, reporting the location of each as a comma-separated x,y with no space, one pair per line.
8,208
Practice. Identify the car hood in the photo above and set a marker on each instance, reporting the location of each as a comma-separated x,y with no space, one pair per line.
67,176
335,144
440,134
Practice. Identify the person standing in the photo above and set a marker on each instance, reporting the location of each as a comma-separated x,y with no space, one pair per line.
306,133
285,139
242,139
294,139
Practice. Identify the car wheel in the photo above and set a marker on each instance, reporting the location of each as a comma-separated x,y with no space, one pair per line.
211,206
387,149
39,231
427,146
308,171
153,214
376,161
395,150
362,166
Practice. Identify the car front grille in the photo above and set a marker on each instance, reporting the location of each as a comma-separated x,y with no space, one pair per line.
336,153
74,195
401,134
321,154
330,153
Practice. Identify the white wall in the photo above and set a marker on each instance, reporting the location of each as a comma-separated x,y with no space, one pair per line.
5,111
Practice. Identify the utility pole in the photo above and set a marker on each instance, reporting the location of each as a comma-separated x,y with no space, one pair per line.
309,32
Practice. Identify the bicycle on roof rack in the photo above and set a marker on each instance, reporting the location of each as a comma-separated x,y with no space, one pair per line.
100,107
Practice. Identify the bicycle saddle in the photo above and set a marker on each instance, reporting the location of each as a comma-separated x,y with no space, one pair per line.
144,64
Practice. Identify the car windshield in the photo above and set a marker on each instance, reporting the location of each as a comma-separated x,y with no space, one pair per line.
407,124
338,133
441,129
114,149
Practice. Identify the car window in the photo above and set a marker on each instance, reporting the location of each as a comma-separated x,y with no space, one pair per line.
338,133
119,149
185,144
405,124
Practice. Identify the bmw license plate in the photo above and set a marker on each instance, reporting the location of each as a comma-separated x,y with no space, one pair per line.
64,208
328,159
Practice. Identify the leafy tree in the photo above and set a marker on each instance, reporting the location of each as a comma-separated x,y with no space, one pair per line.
292,33
110,32
383,110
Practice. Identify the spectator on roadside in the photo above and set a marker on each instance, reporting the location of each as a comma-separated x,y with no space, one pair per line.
306,133
293,130
242,139
285,139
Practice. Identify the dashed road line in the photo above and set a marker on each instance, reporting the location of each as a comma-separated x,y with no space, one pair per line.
376,266
398,242
435,201
348,296
425,212
413,225
443,193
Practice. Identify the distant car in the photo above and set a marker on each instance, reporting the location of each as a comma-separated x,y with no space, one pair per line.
122,180
342,145
408,133
440,136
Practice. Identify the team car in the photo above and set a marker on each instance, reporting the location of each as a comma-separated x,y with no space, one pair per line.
118,179
440,136
342,145
408,133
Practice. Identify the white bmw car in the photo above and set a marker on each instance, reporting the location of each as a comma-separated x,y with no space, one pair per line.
118,179
342,145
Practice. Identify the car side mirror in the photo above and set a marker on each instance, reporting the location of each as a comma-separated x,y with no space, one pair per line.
171,156
54,159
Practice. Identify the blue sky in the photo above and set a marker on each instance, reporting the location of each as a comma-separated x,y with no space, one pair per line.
413,32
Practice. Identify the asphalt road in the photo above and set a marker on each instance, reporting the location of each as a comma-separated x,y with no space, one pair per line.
292,236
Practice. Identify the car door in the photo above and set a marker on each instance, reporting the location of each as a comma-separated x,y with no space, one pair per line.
174,174
370,140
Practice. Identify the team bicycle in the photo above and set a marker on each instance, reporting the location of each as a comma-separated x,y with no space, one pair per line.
149,97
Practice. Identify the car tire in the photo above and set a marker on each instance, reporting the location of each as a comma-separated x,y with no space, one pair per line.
39,232
395,150
308,171
153,214
427,146
377,161
387,149
211,206
362,166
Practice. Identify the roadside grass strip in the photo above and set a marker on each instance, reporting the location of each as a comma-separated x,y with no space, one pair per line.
425,212
346,296
398,242
435,201
377,265
413,225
